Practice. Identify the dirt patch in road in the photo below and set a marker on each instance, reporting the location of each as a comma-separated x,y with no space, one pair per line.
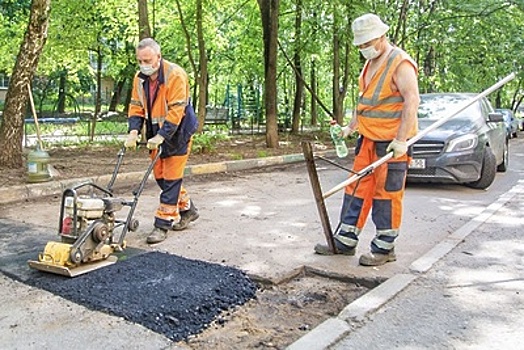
279,315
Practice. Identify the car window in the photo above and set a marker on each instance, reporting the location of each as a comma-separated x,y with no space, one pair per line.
441,106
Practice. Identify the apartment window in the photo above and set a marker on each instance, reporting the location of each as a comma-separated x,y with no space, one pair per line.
4,81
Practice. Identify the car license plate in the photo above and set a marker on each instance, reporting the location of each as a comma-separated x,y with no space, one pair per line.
417,164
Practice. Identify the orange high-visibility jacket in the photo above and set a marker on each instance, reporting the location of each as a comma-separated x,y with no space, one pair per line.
169,103
379,108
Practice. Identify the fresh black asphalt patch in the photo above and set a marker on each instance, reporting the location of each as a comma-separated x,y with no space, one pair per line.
168,294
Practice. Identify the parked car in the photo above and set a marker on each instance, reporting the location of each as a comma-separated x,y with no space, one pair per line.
467,149
520,120
512,123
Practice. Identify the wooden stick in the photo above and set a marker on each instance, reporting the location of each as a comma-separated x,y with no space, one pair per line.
317,192
35,117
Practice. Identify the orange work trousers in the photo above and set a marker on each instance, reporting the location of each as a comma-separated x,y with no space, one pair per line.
381,192
169,173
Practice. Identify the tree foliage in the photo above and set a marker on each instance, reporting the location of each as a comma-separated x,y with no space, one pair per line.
458,45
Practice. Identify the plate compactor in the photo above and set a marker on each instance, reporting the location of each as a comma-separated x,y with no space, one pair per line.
89,229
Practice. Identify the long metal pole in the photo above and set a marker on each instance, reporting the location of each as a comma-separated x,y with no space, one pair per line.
417,137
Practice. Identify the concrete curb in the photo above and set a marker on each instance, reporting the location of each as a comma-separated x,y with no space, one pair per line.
54,187
331,331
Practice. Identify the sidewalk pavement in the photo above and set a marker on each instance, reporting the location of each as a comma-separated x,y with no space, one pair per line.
465,293
10,194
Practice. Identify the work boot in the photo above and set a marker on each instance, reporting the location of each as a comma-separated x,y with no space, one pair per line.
377,259
186,217
323,249
156,236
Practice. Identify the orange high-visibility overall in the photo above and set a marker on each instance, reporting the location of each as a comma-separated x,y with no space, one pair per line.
381,192
161,106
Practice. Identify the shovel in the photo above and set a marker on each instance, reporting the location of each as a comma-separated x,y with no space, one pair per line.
40,152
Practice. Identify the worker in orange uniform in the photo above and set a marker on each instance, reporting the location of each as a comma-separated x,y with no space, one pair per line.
160,99
386,117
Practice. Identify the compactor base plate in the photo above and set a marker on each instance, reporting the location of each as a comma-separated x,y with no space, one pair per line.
72,271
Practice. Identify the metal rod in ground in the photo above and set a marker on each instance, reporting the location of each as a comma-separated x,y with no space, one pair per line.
335,164
317,192
417,137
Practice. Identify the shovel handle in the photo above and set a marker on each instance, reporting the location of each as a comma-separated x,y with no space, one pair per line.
370,168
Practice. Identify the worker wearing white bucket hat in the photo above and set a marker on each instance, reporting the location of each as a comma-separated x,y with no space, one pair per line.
368,27
386,117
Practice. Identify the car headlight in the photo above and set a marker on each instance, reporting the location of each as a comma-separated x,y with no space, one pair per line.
463,143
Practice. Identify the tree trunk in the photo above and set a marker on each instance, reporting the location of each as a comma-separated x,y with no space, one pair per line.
314,110
203,74
60,109
269,14
340,67
498,99
299,85
337,112
429,60
515,101
312,90
117,94
144,29
429,68
201,114
401,23
12,126
98,97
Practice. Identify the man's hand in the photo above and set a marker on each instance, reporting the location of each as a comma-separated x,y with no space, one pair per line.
155,141
399,148
131,139
346,131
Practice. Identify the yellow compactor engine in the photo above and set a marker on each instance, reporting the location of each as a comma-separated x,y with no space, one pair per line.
89,229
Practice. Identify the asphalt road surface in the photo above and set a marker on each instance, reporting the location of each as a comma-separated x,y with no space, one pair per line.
264,223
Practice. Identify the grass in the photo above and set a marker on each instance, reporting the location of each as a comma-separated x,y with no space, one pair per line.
237,156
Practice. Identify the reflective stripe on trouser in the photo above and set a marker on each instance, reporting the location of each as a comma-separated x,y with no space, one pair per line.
381,192
347,235
168,174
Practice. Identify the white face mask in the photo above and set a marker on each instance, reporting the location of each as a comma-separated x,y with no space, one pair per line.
148,69
369,53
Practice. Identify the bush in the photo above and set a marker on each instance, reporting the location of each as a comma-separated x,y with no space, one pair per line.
205,142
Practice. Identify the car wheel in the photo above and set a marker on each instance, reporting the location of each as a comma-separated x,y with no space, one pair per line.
515,134
487,172
502,167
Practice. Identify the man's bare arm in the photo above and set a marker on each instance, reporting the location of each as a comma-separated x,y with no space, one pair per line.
407,84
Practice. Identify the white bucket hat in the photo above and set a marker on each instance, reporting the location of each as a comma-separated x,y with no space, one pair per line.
367,27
